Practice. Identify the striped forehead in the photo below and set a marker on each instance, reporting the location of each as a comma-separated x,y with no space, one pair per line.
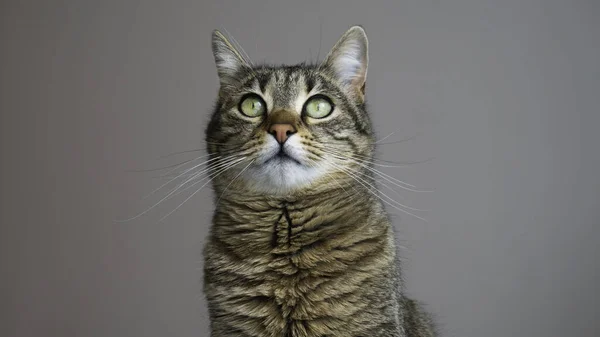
285,88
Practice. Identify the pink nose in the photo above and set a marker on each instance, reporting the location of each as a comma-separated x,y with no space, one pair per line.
281,132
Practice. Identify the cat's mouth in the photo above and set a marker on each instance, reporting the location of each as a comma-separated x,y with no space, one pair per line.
279,167
282,157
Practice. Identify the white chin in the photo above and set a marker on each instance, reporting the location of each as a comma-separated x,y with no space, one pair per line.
280,175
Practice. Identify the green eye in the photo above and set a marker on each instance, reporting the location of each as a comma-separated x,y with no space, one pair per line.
318,106
252,105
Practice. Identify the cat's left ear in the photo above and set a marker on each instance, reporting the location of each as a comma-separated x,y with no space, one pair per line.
228,59
348,60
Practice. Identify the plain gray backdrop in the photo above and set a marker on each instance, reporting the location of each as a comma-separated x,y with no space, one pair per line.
504,95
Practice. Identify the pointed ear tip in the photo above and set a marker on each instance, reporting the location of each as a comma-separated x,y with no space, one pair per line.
358,32
215,33
358,29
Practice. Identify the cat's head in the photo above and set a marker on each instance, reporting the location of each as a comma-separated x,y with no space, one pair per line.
280,129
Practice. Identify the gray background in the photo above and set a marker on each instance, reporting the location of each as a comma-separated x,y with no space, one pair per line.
503,94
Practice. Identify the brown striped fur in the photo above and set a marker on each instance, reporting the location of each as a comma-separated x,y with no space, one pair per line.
300,248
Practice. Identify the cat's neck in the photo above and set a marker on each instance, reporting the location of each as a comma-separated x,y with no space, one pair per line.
359,186
254,224
306,197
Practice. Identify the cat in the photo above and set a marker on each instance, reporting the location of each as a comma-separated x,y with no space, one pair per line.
300,246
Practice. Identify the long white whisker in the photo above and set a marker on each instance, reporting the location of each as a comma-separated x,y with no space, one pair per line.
198,190
156,204
165,167
389,188
377,196
178,165
395,141
222,160
394,181
223,154
332,177
373,160
386,137
231,182
180,152
370,160
339,155
172,176
387,177
184,172
225,162
375,188
217,169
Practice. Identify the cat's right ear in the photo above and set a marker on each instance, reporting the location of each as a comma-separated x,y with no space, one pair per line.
349,59
228,59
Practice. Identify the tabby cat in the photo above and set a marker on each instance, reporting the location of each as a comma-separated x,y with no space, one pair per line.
300,246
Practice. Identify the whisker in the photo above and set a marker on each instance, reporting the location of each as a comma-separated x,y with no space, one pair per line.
371,160
198,190
332,177
382,183
379,142
156,204
314,164
340,155
389,178
231,182
216,166
376,142
234,146
167,173
377,196
166,167
386,137
375,188
398,141
209,175
184,172
395,181
399,163
179,152
171,176
176,166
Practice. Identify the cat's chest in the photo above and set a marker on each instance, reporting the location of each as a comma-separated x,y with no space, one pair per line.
282,234
296,265
283,251
288,249
292,251
259,226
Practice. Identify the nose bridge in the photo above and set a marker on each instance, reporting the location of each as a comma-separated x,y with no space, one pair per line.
283,116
